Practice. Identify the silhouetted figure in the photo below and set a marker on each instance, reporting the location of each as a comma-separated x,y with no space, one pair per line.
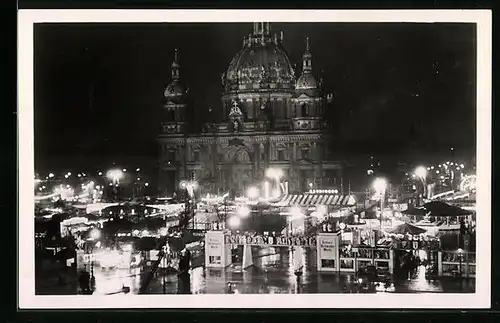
184,283
84,281
185,261
229,288
92,282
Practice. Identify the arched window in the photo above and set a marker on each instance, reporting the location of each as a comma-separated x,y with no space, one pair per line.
196,155
171,156
281,155
262,151
171,114
303,110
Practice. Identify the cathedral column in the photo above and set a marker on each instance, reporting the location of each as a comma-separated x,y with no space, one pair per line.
321,158
266,153
315,157
213,157
221,178
255,165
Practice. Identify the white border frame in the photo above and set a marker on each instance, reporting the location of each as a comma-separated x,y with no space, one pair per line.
27,298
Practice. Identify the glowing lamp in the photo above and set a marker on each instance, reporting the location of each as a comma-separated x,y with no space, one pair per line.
243,211
95,234
380,185
421,172
321,210
296,212
253,193
274,173
234,222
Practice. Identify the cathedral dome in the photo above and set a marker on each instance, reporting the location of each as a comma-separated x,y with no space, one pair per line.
306,81
174,89
261,63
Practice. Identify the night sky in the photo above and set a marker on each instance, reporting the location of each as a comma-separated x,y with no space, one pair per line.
99,88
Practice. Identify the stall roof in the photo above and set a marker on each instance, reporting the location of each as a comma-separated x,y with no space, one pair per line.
437,208
316,199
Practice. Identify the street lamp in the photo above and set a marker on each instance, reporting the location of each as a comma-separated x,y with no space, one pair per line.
115,175
274,173
266,190
380,185
295,213
460,251
253,193
95,234
243,212
234,222
421,173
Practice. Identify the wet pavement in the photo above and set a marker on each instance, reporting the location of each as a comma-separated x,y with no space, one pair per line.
271,274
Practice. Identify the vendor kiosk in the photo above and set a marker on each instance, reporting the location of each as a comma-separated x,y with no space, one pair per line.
328,252
217,252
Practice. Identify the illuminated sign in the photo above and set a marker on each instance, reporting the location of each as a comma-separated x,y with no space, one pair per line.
259,240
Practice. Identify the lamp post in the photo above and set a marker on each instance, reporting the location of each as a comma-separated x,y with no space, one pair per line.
234,222
276,175
380,185
95,234
189,187
115,175
253,193
460,251
225,196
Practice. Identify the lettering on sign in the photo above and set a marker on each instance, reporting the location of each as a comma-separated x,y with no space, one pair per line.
327,243
214,242
259,240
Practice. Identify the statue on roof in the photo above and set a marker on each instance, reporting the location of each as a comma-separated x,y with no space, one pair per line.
235,110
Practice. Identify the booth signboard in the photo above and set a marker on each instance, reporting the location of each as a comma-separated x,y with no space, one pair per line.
217,253
328,252
270,241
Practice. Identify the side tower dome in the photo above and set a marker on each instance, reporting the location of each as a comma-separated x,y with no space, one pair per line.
174,116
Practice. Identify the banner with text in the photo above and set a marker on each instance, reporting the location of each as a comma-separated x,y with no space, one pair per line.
260,240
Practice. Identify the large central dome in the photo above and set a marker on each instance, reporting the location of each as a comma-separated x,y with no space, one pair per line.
262,64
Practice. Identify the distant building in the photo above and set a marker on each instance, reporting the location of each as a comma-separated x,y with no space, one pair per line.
271,119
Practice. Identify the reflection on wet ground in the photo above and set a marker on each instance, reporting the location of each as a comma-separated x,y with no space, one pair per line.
274,274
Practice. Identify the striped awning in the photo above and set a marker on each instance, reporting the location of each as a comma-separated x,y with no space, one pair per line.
316,199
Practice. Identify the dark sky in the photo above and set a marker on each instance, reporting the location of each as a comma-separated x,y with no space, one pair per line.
394,84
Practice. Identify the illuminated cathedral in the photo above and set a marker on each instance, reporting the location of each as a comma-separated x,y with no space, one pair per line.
272,119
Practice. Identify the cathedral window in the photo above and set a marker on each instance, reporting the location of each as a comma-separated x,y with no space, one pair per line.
171,114
196,155
303,110
281,155
305,153
262,151
171,155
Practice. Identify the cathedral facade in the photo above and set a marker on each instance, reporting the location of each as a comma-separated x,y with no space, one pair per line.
272,119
